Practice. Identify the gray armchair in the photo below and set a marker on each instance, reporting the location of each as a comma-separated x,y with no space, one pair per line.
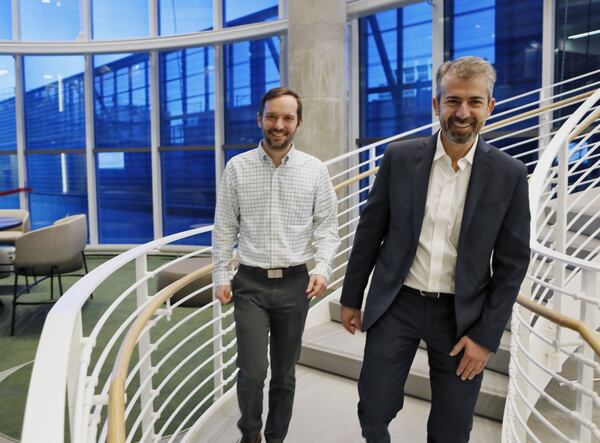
48,252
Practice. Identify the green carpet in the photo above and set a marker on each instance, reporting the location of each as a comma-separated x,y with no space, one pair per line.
21,348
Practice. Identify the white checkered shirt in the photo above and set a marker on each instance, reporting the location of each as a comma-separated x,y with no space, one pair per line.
284,216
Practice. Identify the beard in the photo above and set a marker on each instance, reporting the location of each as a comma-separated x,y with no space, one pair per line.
269,141
463,136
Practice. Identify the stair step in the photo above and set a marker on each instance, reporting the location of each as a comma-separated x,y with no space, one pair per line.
330,348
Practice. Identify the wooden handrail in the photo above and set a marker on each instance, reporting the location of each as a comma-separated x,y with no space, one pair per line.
585,124
568,322
116,392
536,111
356,178
494,125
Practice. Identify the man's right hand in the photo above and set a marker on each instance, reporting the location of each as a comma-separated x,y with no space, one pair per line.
350,319
223,294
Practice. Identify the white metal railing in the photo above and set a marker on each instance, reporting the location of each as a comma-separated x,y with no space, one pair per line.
183,368
552,371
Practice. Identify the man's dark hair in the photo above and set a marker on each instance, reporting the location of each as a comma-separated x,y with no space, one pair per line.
280,92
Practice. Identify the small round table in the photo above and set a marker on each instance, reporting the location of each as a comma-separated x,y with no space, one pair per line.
9,223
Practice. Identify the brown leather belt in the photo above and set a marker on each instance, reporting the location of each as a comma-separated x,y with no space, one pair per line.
425,293
276,272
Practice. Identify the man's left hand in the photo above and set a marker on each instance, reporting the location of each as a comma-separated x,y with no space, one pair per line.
474,358
316,286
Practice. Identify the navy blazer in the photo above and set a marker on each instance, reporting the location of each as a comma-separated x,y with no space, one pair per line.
493,246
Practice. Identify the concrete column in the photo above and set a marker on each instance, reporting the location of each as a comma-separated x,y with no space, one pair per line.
317,71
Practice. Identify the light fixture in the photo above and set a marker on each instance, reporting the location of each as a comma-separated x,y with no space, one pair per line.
3,72
583,34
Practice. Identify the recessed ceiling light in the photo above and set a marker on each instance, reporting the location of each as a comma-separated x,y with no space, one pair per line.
3,72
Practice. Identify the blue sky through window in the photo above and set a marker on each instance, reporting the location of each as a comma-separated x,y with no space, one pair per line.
185,16
5,20
49,19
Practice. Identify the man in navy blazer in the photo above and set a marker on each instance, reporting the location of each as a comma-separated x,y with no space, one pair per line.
446,229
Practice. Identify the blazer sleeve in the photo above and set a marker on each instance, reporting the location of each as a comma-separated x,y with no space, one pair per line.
370,233
510,260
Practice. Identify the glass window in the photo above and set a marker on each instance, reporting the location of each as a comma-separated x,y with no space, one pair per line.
124,197
188,192
187,97
504,32
251,68
5,21
187,119
54,103
242,12
8,180
122,101
577,38
8,134
59,189
49,19
116,19
395,64
185,16
474,28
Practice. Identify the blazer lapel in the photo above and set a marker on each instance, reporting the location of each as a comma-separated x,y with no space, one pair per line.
479,176
423,161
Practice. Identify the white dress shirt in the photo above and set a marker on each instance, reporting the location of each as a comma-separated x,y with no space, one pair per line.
435,261
285,215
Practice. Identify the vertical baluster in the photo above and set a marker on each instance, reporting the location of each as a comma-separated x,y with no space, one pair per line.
144,345
217,349
585,373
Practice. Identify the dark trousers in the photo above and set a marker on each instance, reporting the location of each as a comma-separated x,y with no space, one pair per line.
262,305
389,351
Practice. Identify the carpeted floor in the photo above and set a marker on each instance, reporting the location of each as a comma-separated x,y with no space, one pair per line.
18,351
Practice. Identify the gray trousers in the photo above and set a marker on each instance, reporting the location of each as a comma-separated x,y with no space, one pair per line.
263,305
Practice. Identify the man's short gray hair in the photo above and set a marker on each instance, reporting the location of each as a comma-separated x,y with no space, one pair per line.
466,68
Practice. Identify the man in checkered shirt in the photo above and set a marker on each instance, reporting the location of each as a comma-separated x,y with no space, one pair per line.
278,206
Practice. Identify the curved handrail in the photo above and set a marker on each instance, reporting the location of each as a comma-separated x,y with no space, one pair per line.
563,320
536,111
585,124
536,180
62,322
116,392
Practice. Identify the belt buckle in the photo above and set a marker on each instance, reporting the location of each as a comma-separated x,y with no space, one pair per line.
274,273
427,294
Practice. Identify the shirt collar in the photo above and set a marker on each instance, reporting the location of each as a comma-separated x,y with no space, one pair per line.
288,158
463,162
